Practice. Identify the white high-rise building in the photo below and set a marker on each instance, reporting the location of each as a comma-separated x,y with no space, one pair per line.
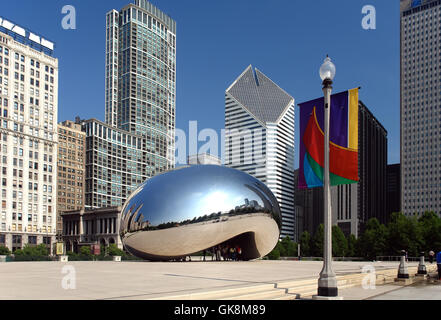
28,137
204,159
259,138
420,106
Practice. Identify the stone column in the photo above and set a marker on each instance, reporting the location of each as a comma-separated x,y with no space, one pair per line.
81,225
422,270
403,272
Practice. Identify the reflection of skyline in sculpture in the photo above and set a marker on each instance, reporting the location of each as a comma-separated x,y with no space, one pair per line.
197,199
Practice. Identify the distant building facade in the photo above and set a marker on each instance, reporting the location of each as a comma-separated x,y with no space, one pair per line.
137,140
372,168
116,164
71,169
393,202
204,158
259,139
88,227
28,137
141,78
353,205
420,25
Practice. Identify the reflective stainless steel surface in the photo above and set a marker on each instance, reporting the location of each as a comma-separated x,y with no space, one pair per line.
191,209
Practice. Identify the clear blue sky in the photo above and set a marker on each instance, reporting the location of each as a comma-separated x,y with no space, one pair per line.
218,39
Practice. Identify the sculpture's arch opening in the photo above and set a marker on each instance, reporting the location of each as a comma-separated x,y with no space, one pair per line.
247,243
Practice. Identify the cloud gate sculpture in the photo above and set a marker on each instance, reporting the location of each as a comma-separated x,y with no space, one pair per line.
192,209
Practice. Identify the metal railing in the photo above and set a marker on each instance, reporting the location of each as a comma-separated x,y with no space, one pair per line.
396,258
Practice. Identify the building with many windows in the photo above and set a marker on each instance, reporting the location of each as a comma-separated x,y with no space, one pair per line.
116,164
353,205
420,106
137,140
259,138
141,78
28,137
71,169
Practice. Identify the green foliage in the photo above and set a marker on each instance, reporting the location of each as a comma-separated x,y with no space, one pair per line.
289,248
275,254
317,242
4,251
339,242
430,227
284,248
404,234
373,241
85,251
401,233
352,246
37,251
113,250
103,250
305,244
106,254
32,253
71,254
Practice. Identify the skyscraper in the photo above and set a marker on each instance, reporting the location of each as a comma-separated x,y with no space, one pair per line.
141,78
137,140
204,159
372,167
420,106
259,139
28,137
353,205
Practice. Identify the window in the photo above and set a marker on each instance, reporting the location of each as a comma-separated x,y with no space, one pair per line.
32,240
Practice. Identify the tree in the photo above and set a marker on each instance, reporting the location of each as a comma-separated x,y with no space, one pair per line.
404,234
275,254
373,241
41,250
113,250
317,241
30,251
85,251
289,248
4,251
352,245
339,242
430,226
305,244
281,249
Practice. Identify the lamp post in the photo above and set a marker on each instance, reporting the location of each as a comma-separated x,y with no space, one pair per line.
327,284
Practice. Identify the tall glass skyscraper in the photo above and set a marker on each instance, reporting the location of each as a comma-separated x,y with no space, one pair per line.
420,106
141,78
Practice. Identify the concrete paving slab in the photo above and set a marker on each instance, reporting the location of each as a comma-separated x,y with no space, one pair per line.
421,291
147,280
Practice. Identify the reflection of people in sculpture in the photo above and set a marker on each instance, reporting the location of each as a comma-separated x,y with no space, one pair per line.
218,253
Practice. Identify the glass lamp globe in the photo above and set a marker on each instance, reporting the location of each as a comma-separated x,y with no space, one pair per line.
327,70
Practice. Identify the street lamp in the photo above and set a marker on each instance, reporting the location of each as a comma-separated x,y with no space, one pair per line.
327,284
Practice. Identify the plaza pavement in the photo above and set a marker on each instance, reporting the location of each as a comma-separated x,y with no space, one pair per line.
148,280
